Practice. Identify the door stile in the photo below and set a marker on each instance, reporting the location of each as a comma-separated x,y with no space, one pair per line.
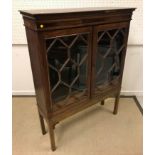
93,59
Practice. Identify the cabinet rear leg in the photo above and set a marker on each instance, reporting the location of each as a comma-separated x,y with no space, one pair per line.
102,102
42,124
51,134
116,104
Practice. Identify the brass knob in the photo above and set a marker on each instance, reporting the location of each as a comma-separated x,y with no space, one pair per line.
41,26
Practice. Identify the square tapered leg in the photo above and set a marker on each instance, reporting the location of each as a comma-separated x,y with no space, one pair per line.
51,134
42,124
102,102
116,104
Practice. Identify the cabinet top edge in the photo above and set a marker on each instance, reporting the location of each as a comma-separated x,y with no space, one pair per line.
38,12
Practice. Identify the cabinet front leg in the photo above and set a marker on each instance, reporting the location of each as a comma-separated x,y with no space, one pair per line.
55,125
116,104
51,134
42,125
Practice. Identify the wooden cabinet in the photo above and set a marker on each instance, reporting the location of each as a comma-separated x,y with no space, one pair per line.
77,59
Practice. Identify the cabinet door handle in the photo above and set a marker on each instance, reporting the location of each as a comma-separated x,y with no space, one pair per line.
41,26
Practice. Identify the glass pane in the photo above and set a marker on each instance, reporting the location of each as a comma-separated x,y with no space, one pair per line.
108,58
68,60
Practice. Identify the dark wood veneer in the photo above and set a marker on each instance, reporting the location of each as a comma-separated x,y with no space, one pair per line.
77,59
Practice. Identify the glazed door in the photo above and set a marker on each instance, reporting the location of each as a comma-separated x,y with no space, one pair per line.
68,55
108,56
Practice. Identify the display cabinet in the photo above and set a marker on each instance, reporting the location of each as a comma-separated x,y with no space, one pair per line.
77,58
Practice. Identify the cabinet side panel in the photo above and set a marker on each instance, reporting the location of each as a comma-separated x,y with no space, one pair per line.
39,72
